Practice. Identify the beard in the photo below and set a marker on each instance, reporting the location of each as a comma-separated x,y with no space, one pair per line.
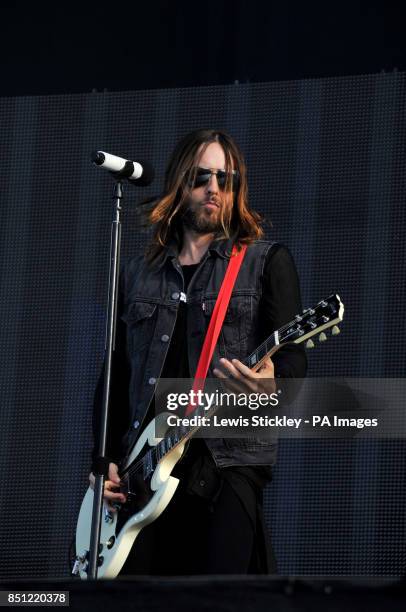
200,221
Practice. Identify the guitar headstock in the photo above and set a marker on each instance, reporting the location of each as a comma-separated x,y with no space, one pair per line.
328,313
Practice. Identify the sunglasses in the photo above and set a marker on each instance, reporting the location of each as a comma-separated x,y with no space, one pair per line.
201,176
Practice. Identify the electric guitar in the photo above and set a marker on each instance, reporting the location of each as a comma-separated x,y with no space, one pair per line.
146,478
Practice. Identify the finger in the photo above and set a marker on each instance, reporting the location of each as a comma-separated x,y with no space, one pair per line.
233,385
265,371
267,367
230,384
111,486
246,376
244,369
219,373
113,472
264,377
226,382
230,367
114,496
238,383
109,495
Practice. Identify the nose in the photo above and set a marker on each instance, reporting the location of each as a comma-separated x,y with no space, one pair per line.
212,185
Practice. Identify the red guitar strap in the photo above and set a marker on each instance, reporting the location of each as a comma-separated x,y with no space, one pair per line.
217,318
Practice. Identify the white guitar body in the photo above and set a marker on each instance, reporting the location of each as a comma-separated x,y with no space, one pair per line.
116,547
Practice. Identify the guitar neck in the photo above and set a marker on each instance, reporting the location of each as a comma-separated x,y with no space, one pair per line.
264,350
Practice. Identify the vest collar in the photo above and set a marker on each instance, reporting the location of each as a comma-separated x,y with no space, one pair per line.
220,247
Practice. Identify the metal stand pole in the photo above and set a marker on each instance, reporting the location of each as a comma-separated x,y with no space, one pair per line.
101,472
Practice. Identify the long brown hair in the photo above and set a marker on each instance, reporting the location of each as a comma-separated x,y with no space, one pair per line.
243,224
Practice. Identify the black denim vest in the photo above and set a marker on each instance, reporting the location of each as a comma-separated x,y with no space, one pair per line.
151,296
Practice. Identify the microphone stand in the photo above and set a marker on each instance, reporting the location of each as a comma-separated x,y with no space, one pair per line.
101,467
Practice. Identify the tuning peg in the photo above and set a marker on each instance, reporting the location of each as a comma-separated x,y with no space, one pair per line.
310,344
335,330
322,337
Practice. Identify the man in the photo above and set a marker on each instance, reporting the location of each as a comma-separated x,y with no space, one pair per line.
214,523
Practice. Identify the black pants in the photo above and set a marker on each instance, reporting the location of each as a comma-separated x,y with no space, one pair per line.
193,536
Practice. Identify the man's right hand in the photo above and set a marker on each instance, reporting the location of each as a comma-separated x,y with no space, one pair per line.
110,485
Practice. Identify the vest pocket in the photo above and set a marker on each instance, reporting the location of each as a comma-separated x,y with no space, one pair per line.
140,321
136,311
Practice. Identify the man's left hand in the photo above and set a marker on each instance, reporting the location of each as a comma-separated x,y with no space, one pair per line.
258,382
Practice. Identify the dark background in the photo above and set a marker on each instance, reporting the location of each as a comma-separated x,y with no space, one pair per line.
325,152
326,162
144,45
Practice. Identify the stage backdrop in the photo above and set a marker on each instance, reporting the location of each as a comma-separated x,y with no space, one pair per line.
326,164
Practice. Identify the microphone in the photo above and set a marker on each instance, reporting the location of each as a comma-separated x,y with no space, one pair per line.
138,173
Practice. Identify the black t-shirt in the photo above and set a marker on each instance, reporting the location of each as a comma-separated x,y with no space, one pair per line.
177,363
